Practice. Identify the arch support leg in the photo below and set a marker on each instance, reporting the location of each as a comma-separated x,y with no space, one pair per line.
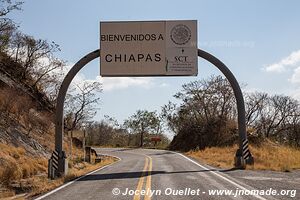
243,155
58,163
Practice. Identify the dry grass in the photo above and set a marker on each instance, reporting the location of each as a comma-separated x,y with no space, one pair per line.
42,184
82,168
18,108
16,165
30,174
268,156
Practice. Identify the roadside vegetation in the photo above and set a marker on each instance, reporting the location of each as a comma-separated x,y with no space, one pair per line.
205,125
207,116
142,129
26,176
30,76
41,184
268,156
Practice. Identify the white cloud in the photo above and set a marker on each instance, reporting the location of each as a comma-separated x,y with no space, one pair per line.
163,85
291,65
295,79
289,61
251,90
296,94
114,83
77,80
296,76
275,68
61,73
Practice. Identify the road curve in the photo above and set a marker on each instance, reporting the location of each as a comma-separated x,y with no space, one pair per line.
158,174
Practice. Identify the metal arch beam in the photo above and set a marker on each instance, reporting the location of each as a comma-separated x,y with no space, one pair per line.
59,120
236,89
243,154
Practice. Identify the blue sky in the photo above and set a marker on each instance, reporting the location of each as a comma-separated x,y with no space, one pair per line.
258,40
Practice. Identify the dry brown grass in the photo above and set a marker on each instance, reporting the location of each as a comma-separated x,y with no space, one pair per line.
16,165
42,184
268,156
14,102
83,168
17,168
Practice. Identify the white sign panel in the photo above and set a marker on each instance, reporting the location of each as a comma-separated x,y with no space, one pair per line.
149,48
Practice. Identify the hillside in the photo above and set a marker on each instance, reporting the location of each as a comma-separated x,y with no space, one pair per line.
27,136
26,114
26,130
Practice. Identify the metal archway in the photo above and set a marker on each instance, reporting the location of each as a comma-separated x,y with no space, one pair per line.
58,165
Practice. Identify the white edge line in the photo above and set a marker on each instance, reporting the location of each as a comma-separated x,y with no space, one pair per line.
69,183
219,175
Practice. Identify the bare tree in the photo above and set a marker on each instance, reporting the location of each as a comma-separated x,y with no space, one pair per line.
7,29
255,103
206,115
7,26
6,6
208,99
170,116
80,107
42,73
28,51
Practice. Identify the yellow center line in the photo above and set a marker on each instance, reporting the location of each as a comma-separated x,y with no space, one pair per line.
148,182
141,181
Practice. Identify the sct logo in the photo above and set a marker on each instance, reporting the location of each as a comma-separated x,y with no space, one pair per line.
181,58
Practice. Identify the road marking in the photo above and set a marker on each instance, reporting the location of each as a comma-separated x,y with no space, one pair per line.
259,178
148,183
141,181
220,176
69,183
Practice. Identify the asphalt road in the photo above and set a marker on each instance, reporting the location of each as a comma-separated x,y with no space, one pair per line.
157,174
